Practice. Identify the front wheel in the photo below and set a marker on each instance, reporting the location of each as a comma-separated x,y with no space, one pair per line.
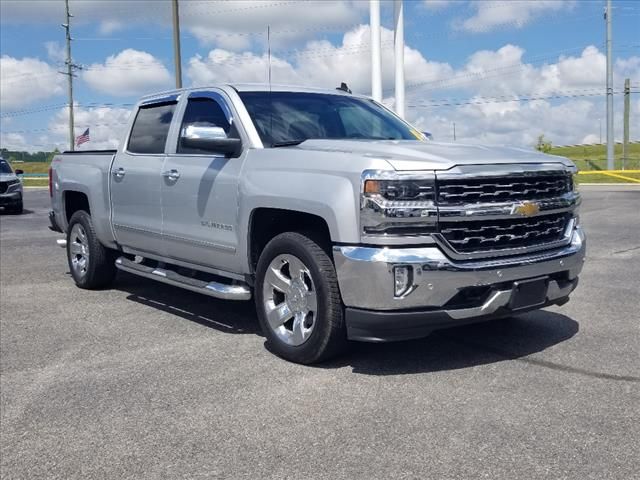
298,299
92,265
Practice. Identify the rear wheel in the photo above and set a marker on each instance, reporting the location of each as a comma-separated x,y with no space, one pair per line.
298,300
92,265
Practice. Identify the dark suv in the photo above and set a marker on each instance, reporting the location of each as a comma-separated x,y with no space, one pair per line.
10,188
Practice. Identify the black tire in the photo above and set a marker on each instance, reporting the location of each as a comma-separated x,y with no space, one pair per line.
328,337
100,267
17,210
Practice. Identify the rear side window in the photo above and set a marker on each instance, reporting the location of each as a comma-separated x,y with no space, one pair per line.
150,128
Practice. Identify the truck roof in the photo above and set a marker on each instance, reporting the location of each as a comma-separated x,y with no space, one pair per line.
252,87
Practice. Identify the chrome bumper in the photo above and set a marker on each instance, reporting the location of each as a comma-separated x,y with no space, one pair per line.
365,276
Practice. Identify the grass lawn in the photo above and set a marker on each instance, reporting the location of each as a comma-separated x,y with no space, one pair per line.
32,167
594,157
587,158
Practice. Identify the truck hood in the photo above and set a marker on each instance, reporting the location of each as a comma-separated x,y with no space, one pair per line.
414,155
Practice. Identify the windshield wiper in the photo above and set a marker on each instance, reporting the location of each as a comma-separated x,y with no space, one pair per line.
288,143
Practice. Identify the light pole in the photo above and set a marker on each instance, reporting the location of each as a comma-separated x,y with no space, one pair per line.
376,65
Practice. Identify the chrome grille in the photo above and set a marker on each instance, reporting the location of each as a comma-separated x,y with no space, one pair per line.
541,185
4,186
486,235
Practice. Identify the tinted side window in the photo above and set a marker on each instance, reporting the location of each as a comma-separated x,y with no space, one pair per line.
204,112
150,128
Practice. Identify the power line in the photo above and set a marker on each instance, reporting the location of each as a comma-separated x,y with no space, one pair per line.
522,99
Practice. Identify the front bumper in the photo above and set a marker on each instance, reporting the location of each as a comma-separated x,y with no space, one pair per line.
445,292
10,199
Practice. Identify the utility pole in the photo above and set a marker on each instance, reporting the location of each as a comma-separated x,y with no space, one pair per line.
399,55
176,44
625,139
610,140
454,131
69,73
376,62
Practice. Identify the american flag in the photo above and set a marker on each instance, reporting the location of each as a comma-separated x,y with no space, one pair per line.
84,138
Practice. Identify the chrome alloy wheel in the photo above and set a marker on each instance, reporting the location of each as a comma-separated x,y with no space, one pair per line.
79,250
289,299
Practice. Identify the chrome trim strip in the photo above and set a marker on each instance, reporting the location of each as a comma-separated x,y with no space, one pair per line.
442,242
513,169
502,210
201,243
137,229
198,243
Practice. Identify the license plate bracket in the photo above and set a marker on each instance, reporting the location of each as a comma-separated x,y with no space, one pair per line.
529,293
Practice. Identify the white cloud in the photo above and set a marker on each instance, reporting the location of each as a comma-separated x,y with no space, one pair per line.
490,14
129,73
235,25
490,78
437,4
14,141
232,24
319,63
27,81
107,27
55,51
107,126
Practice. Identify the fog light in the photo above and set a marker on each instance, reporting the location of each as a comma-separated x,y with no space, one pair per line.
402,280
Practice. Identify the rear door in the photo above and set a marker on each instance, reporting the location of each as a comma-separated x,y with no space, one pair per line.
200,190
136,180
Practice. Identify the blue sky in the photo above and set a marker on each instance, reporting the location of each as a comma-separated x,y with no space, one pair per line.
466,61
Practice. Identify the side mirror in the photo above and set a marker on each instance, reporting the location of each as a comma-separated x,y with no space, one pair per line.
210,139
19,172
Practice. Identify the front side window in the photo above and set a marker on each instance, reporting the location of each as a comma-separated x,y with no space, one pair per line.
151,128
282,117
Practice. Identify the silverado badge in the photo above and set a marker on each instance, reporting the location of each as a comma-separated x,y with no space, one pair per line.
526,209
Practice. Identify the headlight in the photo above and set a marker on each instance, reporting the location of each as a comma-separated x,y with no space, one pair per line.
13,185
397,204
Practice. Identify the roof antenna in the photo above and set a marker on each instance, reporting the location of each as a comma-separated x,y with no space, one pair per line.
269,53
343,87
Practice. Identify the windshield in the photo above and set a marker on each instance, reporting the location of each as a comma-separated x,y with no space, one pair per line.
5,167
283,118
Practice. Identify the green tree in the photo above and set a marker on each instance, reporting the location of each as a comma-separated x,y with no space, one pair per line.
543,144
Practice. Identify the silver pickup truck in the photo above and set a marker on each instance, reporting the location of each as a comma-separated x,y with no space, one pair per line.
337,216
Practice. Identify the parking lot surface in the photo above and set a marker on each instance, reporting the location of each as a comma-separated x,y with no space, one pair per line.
148,381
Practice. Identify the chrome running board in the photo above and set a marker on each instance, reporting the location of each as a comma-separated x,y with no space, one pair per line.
213,289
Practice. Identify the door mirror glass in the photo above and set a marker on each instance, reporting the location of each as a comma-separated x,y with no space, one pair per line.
19,172
210,139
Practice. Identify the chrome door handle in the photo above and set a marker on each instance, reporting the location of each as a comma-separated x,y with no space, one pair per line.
172,174
119,173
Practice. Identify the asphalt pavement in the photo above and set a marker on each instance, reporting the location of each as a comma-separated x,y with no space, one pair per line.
144,380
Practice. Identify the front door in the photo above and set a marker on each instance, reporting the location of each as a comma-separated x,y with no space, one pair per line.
136,180
200,192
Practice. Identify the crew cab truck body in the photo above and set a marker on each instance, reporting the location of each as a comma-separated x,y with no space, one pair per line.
329,210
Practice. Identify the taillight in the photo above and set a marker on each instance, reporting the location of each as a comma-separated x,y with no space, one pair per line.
50,182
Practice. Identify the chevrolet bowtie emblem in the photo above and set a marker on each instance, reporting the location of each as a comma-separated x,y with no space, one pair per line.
526,209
